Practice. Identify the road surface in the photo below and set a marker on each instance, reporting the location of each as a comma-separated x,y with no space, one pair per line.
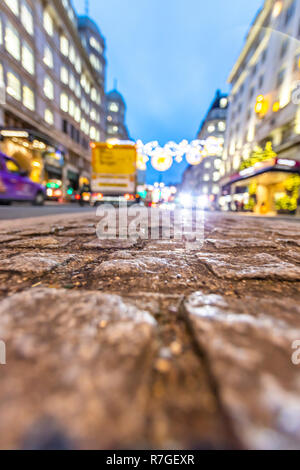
149,343
20,211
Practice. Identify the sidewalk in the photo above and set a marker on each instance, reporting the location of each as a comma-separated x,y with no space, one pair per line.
143,344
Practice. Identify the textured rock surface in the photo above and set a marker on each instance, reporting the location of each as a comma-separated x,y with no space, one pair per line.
146,344
248,348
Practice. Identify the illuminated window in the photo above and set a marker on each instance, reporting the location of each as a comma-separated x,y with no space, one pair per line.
222,126
72,82
206,177
211,128
28,58
95,62
77,116
71,108
113,107
64,102
48,23
64,75
205,190
95,44
78,65
72,55
48,57
218,164
13,5
223,102
109,118
64,46
28,98
216,176
93,133
13,86
27,18
49,117
48,88
215,189
12,41
207,165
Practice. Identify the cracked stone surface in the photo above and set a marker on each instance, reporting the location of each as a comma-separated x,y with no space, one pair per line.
125,344
257,266
251,340
37,263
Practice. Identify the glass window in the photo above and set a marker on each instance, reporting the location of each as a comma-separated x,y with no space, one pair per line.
28,98
113,107
207,165
95,44
72,82
222,126
64,75
48,116
13,86
27,58
12,41
72,55
48,88
216,176
13,5
27,18
64,102
206,177
211,128
223,102
48,57
64,46
48,23
95,62
71,108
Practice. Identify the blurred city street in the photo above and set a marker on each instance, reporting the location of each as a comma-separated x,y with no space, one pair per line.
149,226
21,211
144,344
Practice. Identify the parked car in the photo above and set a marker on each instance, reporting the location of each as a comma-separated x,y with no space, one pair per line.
15,184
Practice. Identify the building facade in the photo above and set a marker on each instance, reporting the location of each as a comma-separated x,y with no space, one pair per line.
52,80
204,179
261,159
115,116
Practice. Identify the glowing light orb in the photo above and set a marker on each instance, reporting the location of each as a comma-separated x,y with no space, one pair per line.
161,161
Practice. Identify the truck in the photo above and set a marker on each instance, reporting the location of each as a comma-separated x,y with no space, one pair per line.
114,173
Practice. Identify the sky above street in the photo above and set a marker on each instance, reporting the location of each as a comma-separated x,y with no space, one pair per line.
170,57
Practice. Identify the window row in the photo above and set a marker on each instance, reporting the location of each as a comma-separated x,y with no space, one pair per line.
24,12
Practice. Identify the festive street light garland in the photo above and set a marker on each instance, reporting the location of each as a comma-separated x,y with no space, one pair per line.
162,157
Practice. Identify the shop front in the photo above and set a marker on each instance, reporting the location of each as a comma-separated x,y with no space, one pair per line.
42,159
269,188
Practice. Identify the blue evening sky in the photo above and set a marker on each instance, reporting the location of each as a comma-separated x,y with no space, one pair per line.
169,57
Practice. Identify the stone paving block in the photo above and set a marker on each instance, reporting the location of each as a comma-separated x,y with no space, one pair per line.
248,266
248,348
40,242
79,358
132,267
78,232
115,244
37,263
243,243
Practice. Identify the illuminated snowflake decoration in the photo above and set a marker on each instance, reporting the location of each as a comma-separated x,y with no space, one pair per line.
162,158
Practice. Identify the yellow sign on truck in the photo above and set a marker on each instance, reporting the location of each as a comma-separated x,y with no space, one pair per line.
114,171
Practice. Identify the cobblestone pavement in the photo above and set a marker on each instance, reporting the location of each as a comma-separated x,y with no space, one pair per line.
144,344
